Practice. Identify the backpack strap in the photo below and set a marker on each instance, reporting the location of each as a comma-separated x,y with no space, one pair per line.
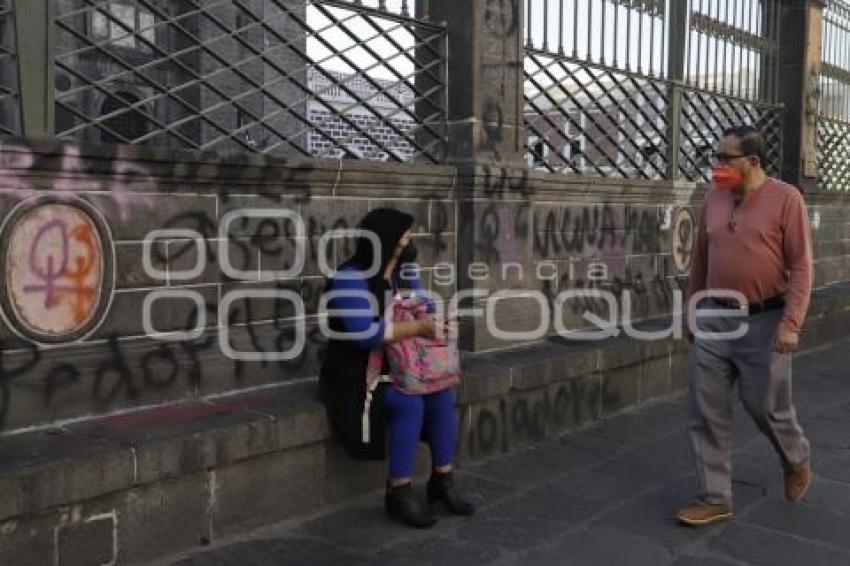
365,422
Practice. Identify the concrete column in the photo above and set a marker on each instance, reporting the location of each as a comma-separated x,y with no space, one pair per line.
676,37
34,40
485,79
486,140
800,58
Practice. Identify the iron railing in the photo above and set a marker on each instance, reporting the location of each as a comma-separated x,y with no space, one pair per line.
732,75
644,88
594,92
833,126
10,104
706,115
733,48
321,78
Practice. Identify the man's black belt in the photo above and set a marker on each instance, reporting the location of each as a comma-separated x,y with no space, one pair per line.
769,304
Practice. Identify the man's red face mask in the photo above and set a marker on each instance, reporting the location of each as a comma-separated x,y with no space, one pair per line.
726,177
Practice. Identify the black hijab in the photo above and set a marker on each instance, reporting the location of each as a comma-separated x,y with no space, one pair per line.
342,379
389,225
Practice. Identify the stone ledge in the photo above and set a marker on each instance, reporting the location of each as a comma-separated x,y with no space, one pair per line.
50,467
57,466
171,167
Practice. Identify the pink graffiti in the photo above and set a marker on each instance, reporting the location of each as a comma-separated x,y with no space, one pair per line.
129,185
52,270
74,177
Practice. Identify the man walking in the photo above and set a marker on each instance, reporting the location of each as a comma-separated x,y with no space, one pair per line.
753,238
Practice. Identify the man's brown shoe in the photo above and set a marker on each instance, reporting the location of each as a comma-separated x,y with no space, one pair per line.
703,514
797,482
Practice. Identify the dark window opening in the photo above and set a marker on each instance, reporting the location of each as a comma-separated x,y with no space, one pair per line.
128,123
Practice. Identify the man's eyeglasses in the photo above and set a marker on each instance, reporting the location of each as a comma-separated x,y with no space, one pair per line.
720,158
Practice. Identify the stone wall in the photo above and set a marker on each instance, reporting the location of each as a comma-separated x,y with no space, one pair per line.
546,235
87,306
75,220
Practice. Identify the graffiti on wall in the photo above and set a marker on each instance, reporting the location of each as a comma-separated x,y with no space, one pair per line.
68,217
683,239
54,269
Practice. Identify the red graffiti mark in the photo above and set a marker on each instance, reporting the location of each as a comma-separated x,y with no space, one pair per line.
163,415
52,270
82,300
167,414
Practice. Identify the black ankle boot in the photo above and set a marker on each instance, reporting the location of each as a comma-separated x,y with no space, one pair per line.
441,488
403,505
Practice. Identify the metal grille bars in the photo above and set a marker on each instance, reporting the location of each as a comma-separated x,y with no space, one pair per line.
643,88
733,48
10,113
833,133
595,101
628,35
732,69
283,77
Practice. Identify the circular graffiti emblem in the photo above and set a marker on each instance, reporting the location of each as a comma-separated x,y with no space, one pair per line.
683,239
54,269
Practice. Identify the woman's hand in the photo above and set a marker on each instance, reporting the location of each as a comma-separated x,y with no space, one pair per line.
425,327
430,328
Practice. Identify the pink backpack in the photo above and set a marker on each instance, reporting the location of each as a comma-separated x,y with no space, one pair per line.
417,366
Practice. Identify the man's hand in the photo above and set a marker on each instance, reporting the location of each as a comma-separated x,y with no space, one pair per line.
786,340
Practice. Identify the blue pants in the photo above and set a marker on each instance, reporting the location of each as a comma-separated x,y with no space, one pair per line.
408,417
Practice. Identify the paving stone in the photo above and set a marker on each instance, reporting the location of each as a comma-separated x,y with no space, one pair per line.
367,528
537,464
289,551
484,491
506,531
601,486
701,561
549,503
836,467
829,495
594,547
760,547
635,428
438,551
653,514
829,431
653,463
806,522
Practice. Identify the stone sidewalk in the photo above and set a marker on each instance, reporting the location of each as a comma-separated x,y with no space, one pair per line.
604,496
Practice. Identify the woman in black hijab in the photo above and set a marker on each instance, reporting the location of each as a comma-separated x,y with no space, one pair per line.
369,420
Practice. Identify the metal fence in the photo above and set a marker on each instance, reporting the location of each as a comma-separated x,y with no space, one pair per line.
10,109
644,88
594,103
620,88
285,77
833,127
732,74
